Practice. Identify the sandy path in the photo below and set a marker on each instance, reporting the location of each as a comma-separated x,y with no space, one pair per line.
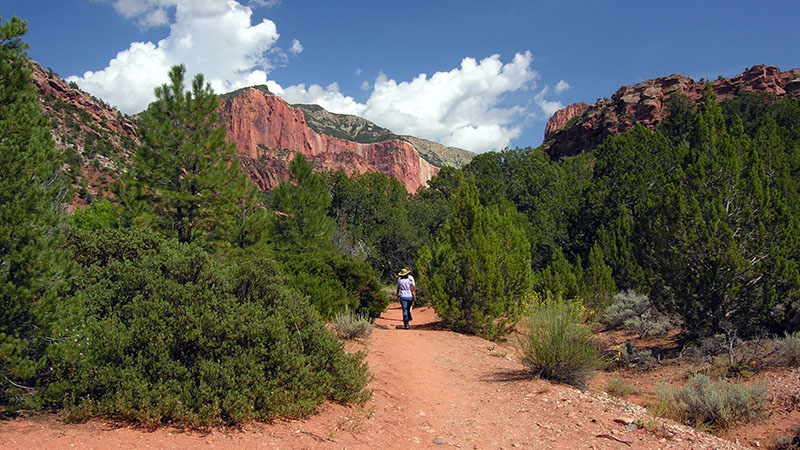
433,389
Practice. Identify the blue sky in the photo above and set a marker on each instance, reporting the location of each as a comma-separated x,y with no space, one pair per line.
474,74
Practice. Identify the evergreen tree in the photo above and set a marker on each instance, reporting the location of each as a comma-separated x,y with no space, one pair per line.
619,242
301,221
597,282
538,189
559,278
677,126
185,170
302,233
478,269
630,173
31,196
372,208
428,211
721,242
248,224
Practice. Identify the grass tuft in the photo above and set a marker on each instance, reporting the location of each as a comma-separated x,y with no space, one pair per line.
349,325
619,388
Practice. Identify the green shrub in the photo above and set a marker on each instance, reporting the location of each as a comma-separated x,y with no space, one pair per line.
334,282
350,325
478,270
100,214
167,333
635,312
787,351
702,403
557,345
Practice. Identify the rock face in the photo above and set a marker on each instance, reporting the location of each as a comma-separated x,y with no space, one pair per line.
267,131
579,128
92,110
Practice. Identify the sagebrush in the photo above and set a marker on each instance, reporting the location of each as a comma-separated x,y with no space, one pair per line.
350,325
635,312
703,404
557,345
619,388
787,350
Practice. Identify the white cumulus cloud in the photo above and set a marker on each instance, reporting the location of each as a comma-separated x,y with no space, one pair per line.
296,47
561,86
328,97
212,37
548,107
463,107
480,105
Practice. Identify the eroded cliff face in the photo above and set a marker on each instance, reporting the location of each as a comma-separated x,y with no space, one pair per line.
580,127
267,131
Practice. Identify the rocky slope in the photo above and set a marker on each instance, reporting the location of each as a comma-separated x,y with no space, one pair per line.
440,155
580,127
267,131
96,139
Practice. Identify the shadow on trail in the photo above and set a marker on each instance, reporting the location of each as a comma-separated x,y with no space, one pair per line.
430,326
505,376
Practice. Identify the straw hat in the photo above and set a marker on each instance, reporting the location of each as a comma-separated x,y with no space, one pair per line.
404,272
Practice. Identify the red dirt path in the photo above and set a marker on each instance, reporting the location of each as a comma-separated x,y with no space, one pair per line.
432,389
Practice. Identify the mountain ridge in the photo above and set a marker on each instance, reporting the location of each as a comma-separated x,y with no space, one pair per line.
581,127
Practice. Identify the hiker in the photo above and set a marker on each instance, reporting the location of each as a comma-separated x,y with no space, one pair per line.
407,293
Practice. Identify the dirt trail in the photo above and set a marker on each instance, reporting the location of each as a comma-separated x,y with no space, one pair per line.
433,389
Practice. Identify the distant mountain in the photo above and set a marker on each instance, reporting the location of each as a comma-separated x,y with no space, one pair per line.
580,127
267,131
440,155
99,140
354,128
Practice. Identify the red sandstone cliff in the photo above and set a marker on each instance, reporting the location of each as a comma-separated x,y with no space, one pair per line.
578,127
267,131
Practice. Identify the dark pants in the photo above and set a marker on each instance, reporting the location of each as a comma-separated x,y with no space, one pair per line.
405,303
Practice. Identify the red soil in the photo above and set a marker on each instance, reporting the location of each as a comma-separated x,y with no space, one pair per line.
432,388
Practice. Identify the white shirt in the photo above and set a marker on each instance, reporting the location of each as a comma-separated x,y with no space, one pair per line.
405,286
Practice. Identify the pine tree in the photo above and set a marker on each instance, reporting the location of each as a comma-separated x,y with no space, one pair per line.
31,210
597,283
185,170
559,278
478,269
301,205
721,241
